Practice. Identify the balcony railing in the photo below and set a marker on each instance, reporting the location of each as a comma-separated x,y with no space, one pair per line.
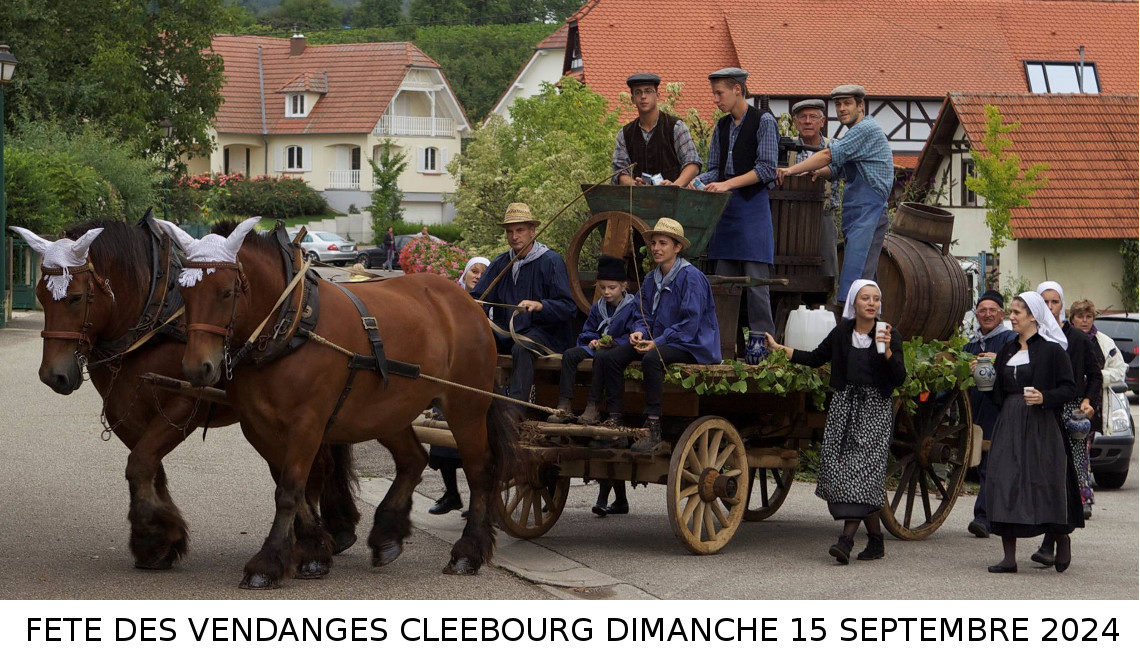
398,125
344,179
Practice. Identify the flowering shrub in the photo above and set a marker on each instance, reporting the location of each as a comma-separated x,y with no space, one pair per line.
210,180
211,193
423,255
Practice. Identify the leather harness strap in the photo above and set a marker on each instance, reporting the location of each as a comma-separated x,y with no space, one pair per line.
210,328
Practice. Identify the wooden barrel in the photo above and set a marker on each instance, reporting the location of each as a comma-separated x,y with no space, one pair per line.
925,292
797,213
925,223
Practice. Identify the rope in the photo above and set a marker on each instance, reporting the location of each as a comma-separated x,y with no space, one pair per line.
284,294
442,381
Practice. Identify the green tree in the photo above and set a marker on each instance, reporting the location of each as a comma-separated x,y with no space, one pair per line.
309,14
377,13
386,195
126,64
439,12
998,177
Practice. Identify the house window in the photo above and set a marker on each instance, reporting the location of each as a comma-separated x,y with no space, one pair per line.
1061,78
296,106
430,156
966,196
226,160
294,158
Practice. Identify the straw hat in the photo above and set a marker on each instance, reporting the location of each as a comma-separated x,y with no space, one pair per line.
359,273
518,212
671,228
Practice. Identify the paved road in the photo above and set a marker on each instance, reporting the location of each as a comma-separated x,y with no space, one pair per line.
64,525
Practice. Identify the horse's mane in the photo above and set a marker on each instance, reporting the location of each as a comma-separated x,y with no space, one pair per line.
121,253
259,240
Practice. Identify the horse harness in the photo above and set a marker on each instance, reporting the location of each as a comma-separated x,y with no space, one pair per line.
88,298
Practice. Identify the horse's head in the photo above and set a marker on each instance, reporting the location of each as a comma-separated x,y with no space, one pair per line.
78,304
213,284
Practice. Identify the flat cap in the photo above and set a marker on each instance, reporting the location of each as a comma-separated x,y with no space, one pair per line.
809,103
844,91
643,79
730,73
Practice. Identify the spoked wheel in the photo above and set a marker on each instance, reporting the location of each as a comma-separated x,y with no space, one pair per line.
526,510
767,489
706,485
929,455
614,227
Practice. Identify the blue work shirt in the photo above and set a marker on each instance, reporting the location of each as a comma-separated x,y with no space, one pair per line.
543,280
767,150
985,412
865,146
620,325
685,317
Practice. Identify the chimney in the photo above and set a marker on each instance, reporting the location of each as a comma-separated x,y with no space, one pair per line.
296,42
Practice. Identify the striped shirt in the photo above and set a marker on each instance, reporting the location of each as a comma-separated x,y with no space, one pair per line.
767,150
865,146
682,142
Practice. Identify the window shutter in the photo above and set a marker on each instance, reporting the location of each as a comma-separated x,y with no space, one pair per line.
279,159
420,159
306,158
442,164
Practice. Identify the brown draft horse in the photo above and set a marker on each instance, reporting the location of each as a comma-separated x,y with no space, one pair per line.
150,422
285,405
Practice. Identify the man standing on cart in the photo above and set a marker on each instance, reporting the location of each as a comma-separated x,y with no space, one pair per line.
656,143
536,283
810,117
862,158
742,160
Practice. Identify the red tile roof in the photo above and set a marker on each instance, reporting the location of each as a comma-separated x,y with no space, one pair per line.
556,40
1090,142
307,82
361,80
895,48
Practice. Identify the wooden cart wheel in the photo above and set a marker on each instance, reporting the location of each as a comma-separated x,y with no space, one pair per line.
614,226
765,498
929,455
705,485
526,511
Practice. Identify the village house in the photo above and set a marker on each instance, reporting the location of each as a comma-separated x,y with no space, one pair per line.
1072,229
907,54
321,112
545,65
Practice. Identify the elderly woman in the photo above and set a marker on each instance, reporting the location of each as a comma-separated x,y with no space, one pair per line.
860,418
1086,364
446,459
1032,487
1082,314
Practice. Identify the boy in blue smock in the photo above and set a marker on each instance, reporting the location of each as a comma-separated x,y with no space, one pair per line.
679,325
608,325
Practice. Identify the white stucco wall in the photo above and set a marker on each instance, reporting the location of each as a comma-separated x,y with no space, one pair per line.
544,66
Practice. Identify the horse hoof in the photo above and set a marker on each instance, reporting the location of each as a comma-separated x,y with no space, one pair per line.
161,564
258,581
343,541
462,566
312,570
387,553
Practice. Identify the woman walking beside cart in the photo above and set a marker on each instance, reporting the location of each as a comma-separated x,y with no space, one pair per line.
866,366
1031,484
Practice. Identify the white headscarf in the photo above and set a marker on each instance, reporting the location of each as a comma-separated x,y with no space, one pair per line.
1047,325
64,253
466,269
210,247
1046,286
853,292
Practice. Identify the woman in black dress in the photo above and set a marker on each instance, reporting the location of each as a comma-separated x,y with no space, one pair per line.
860,418
1031,487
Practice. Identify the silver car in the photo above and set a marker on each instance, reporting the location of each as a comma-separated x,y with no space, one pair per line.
328,247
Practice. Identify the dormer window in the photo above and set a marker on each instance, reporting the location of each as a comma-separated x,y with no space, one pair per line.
1062,78
295,105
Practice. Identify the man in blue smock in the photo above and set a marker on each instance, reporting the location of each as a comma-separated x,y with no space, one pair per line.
862,158
679,325
742,159
538,285
992,335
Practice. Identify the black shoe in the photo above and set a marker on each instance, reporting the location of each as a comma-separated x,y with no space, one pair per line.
449,502
617,509
600,510
646,444
1061,564
999,568
874,549
841,550
1044,556
978,528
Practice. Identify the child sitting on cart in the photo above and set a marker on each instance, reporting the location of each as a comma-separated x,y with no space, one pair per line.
679,325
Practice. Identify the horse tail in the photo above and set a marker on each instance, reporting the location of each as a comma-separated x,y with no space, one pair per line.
503,420
338,502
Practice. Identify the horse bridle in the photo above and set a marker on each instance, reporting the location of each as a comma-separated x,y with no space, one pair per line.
240,287
88,298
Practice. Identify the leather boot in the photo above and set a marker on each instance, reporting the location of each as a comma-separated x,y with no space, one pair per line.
564,413
874,549
841,550
590,415
646,444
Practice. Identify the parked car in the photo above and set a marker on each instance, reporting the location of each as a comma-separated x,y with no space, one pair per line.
1111,454
328,247
1124,330
374,257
